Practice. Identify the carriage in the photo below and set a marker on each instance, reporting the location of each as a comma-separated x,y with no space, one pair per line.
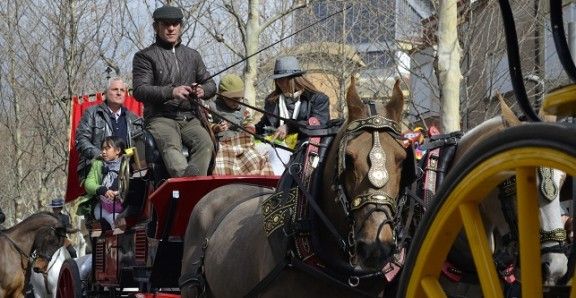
148,255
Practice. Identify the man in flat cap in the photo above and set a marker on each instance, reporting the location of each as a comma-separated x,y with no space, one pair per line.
168,78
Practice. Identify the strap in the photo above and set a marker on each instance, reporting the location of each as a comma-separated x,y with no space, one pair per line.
321,215
430,177
311,159
438,141
265,283
297,264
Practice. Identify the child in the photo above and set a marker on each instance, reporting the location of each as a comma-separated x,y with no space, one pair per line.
237,153
102,181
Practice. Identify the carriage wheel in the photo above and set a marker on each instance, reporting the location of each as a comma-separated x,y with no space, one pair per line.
515,152
69,283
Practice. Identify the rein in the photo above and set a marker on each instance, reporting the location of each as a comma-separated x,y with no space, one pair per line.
257,136
30,258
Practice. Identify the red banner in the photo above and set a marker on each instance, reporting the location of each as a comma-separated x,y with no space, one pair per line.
73,187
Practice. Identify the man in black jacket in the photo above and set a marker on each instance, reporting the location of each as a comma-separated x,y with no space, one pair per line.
168,77
104,120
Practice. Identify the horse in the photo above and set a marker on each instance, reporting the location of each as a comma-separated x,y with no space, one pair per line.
554,261
28,245
226,250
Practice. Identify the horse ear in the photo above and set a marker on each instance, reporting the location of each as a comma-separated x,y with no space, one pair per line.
356,108
395,106
507,112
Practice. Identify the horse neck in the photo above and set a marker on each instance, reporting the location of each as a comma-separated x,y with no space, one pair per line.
478,134
24,233
328,198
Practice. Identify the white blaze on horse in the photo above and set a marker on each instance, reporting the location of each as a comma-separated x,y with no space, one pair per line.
352,230
29,245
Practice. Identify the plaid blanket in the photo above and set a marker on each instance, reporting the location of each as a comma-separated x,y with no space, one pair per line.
237,156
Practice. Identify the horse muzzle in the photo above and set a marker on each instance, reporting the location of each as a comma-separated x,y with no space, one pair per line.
40,266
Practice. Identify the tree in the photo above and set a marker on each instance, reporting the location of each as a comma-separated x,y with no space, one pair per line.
449,65
250,20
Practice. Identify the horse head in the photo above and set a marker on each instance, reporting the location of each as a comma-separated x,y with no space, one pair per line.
47,240
371,162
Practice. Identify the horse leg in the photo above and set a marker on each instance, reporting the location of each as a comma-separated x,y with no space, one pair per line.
206,211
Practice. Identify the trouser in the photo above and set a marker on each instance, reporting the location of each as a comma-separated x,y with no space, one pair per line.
171,134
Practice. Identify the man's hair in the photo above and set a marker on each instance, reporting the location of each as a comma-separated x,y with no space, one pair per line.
114,79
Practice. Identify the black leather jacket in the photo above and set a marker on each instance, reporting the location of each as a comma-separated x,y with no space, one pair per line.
94,126
313,104
157,69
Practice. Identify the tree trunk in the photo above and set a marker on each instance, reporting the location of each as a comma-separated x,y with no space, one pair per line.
449,53
252,37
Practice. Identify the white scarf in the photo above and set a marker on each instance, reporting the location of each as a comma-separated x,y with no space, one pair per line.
284,110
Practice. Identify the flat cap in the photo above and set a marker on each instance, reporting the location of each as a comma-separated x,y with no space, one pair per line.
168,13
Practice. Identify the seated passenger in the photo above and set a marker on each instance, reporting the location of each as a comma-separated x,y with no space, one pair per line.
103,180
110,118
295,97
236,154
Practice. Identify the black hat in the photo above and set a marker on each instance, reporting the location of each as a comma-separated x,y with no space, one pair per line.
168,13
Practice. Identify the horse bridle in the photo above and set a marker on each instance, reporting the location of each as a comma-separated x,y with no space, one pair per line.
35,254
377,175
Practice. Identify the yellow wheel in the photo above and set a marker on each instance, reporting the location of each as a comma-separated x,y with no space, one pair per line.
514,152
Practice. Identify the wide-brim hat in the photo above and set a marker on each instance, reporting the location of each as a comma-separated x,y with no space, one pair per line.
287,67
56,203
168,13
231,86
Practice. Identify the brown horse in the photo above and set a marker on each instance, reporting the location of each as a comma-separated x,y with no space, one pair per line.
28,245
361,181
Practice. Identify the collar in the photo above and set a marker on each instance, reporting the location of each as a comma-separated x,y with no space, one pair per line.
166,45
295,95
116,114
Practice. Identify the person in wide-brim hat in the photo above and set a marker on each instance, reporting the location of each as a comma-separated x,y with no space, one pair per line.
56,203
295,97
286,67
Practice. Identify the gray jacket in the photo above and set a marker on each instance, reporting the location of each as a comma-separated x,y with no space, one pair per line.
157,69
94,126
234,117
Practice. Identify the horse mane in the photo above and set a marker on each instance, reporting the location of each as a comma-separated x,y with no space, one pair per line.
34,217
